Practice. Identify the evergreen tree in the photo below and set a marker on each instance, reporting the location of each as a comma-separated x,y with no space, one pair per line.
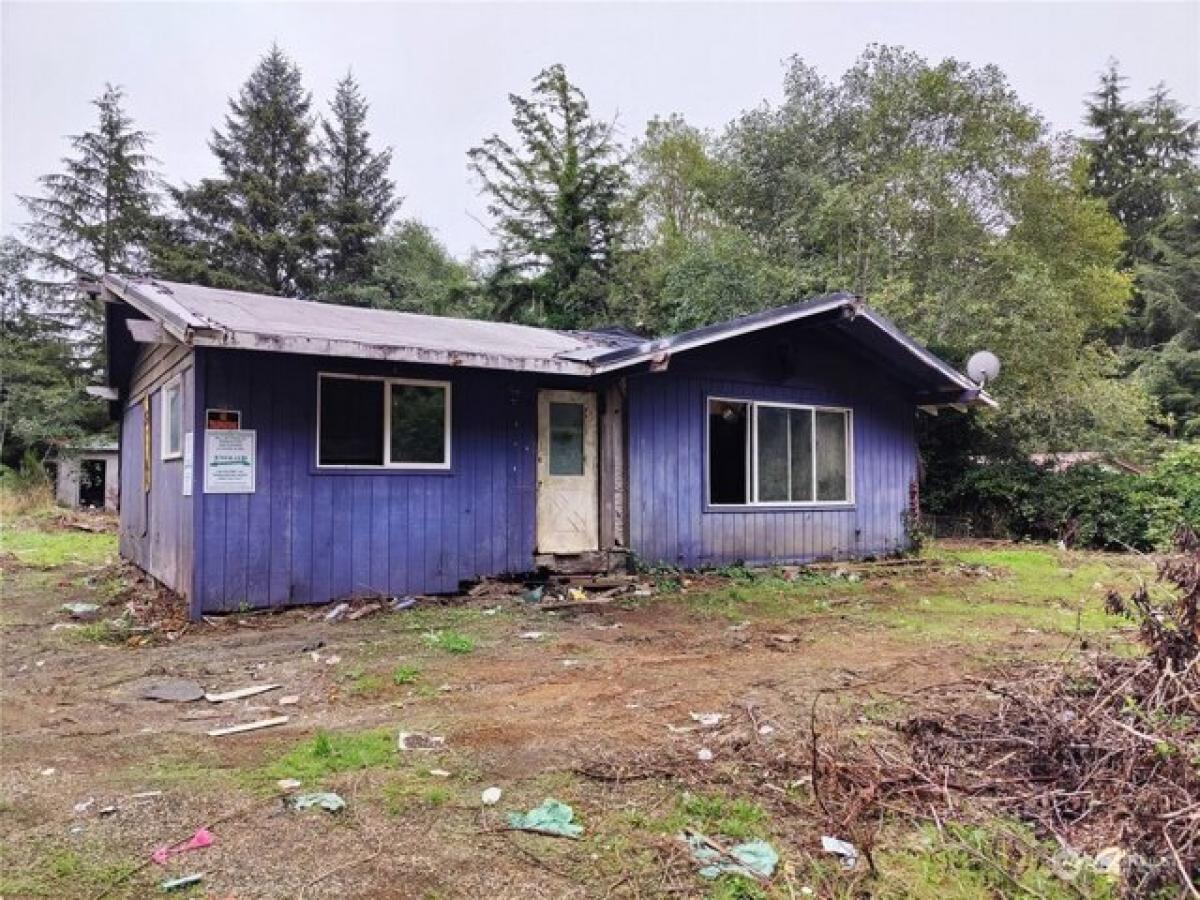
257,226
360,198
96,215
560,197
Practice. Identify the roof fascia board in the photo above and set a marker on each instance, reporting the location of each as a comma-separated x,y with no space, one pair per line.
247,340
712,334
175,320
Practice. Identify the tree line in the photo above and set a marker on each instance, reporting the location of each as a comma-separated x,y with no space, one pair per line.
930,188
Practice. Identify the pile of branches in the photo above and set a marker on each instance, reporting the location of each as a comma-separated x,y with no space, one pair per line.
1101,752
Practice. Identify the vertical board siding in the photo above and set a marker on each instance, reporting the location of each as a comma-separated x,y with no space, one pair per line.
310,536
669,522
156,526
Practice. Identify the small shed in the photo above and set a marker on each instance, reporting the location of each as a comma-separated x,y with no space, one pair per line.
88,475
278,451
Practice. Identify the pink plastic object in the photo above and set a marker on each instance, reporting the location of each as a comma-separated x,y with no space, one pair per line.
201,839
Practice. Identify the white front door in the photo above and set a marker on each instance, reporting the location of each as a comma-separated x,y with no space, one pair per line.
568,496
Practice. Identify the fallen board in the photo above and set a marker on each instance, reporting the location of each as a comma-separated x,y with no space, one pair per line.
248,726
241,692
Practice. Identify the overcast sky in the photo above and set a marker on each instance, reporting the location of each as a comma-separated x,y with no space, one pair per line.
437,76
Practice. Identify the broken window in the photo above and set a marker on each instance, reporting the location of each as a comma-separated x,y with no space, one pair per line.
728,443
172,420
772,453
357,426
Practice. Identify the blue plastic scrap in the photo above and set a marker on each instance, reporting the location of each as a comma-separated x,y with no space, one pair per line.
175,884
553,817
754,859
327,801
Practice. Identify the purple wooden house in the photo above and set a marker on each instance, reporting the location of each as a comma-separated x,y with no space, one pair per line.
276,451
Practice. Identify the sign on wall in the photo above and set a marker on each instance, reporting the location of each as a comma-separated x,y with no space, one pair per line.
229,461
222,419
187,464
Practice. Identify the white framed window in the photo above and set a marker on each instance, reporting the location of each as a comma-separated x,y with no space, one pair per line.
383,423
763,453
171,419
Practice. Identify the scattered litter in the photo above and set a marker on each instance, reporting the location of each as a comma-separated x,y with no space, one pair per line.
415,740
847,851
289,700
108,810
248,726
288,784
568,663
532,635
174,690
753,859
174,884
145,795
680,729
552,817
332,660
198,841
337,613
1108,861
81,610
241,692
48,772
315,656
328,801
491,611
643,590
766,729
76,829
439,773
709,719
575,595
402,603
312,645
491,796
704,754
83,806
785,638
534,595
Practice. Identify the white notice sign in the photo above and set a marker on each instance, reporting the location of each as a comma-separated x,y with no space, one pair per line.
229,462
188,471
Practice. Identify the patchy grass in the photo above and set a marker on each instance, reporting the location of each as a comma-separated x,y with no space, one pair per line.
771,597
963,862
714,814
50,549
55,871
403,675
328,753
449,641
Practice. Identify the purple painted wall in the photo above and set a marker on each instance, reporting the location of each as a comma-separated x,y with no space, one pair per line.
669,521
308,535
156,525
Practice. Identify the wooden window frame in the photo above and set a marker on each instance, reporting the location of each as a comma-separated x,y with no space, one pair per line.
388,465
752,457
165,451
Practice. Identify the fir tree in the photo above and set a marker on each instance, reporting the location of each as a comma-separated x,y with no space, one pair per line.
360,198
560,198
257,226
96,215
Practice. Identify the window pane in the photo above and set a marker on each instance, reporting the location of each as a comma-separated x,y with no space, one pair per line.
772,454
174,420
831,456
351,422
418,423
802,473
728,432
566,438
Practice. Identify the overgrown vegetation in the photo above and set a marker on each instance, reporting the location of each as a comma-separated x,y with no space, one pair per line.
1086,505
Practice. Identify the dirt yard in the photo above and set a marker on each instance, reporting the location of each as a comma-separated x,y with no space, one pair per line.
594,709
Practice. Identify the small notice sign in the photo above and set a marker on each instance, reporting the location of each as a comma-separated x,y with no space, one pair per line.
188,464
229,462
222,419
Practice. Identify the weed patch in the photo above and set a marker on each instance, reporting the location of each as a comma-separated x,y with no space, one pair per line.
328,753
403,675
714,814
449,641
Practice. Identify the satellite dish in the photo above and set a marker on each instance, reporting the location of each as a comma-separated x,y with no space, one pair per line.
983,367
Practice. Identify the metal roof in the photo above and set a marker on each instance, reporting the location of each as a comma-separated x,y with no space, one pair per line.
213,317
